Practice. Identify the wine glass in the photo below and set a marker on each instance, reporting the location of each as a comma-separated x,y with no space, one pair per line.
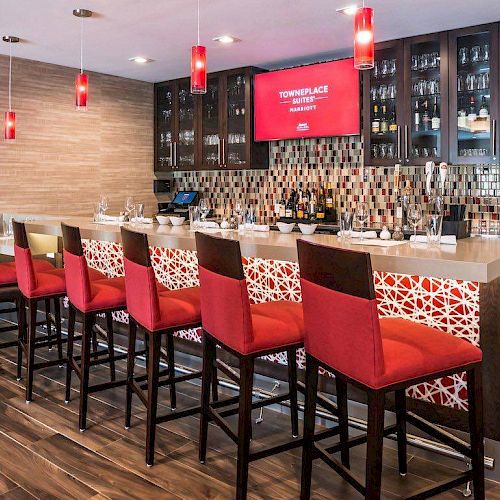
204,208
129,205
414,216
362,214
104,203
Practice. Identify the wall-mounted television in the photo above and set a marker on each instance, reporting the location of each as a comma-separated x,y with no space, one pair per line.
319,100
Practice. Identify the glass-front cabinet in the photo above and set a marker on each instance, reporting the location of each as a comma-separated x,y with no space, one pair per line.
185,150
211,147
165,127
425,133
474,85
383,106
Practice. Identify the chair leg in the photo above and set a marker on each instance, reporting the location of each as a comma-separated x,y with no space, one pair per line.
244,426
292,389
171,369
343,416
153,377
48,322
21,334
215,380
206,378
87,325
57,318
95,344
374,445
111,345
31,349
311,384
132,335
475,397
69,354
401,430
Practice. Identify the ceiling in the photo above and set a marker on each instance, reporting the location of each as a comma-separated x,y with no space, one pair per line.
274,33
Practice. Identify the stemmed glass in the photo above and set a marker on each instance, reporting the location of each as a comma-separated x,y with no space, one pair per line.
103,203
414,216
129,207
362,214
204,208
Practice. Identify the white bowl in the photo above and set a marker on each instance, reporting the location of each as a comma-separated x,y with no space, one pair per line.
177,221
285,227
163,219
307,228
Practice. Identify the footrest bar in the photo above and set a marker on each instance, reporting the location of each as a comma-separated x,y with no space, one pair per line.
442,486
193,410
223,425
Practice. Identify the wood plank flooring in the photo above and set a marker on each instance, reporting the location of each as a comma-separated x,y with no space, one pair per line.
43,455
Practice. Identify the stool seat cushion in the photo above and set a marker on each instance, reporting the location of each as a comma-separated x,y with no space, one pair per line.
412,350
95,275
48,283
275,324
178,308
107,293
8,270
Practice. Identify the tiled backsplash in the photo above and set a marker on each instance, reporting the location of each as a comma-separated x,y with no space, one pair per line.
339,160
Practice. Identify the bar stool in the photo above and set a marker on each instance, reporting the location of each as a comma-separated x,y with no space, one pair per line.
90,293
37,282
10,293
344,335
160,313
247,332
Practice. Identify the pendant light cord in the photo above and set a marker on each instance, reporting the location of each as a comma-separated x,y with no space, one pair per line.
198,22
10,75
81,44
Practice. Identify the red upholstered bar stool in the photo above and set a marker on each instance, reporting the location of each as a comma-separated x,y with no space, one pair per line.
248,331
90,293
37,282
159,312
344,335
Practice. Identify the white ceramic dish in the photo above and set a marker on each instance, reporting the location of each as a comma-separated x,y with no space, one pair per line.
177,221
285,227
307,228
163,219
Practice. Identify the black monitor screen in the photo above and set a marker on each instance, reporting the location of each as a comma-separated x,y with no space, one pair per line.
185,197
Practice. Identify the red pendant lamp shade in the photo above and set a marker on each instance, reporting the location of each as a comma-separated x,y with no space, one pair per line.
198,69
10,125
81,91
364,49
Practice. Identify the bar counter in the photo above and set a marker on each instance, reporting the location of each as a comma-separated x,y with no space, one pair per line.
453,288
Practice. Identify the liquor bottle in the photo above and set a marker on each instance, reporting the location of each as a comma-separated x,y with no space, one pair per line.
462,116
313,203
426,119
282,207
472,114
484,111
393,126
436,119
416,116
300,206
290,204
329,203
384,124
375,120
320,209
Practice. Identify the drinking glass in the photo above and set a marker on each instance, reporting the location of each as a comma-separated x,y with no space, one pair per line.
346,219
129,204
103,201
139,212
475,53
414,216
194,217
97,211
204,208
433,227
362,214
463,55
8,230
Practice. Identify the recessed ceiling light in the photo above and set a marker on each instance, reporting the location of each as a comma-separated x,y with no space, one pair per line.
350,10
140,60
226,39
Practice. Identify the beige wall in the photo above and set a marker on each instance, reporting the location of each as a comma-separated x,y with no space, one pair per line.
62,159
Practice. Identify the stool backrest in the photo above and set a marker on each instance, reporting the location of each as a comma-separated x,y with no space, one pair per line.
140,281
75,267
340,310
25,271
225,306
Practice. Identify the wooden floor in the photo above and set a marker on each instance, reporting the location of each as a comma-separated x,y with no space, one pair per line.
43,455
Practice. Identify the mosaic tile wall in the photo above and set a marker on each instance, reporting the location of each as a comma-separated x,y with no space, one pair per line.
339,160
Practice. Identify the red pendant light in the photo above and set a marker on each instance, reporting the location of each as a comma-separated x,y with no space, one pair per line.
10,116
198,64
81,79
364,45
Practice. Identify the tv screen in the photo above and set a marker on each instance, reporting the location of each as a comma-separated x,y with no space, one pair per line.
319,100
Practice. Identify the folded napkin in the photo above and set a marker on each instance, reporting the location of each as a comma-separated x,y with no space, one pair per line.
142,220
208,224
369,235
262,228
112,218
445,240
